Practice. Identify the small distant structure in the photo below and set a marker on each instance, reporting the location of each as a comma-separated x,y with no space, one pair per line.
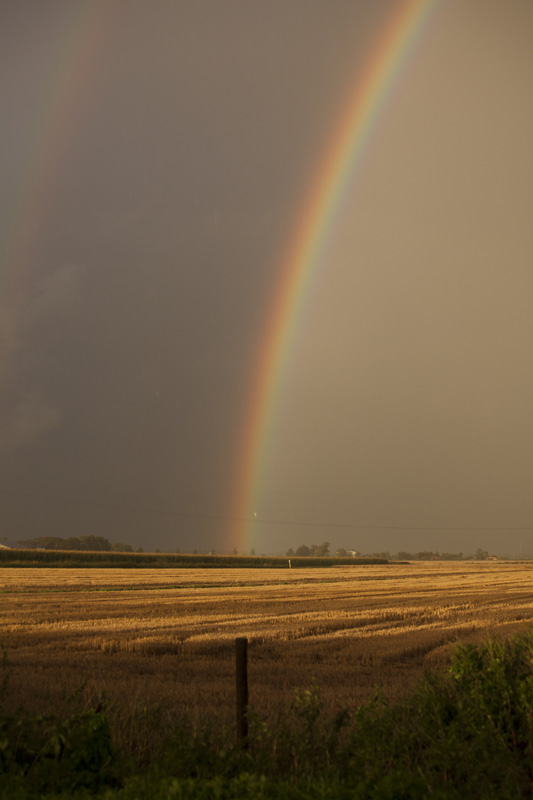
353,553
492,558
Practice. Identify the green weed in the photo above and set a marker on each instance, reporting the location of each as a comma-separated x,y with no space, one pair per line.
466,733
42,753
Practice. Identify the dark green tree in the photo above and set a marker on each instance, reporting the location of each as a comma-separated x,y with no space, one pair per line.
120,547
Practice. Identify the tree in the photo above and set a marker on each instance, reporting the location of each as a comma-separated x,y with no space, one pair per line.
341,552
235,551
321,550
252,552
290,553
303,550
424,555
121,547
95,543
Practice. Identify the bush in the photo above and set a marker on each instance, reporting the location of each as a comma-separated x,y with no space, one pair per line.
42,753
467,733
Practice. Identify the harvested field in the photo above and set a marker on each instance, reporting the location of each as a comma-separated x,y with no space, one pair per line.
165,637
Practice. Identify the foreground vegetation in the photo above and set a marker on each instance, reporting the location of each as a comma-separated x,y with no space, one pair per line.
134,670
465,733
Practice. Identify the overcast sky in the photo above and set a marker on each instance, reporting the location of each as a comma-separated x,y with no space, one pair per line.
153,158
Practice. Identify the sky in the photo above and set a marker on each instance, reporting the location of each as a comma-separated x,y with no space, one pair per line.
155,158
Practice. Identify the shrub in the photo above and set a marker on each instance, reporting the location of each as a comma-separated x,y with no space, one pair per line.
43,753
466,733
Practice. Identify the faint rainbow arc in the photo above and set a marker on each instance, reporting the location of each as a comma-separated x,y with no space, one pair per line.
302,258
66,83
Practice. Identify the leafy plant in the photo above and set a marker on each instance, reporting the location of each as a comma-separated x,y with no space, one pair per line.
46,753
465,733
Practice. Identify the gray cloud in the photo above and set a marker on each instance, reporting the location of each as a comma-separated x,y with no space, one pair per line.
28,422
57,295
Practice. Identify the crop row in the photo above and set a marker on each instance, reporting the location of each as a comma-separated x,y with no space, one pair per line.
66,558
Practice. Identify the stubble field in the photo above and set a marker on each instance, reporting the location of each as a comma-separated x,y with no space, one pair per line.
165,638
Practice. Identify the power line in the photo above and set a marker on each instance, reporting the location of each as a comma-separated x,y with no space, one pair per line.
260,521
358,526
114,506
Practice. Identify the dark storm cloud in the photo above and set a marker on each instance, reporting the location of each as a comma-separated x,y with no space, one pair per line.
29,420
129,339
57,295
126,371
33,409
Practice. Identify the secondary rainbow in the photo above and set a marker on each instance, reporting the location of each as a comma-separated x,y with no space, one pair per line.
302,259
68,76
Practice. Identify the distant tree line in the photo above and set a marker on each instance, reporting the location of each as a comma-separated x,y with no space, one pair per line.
430,555
322,550
316,550
88,543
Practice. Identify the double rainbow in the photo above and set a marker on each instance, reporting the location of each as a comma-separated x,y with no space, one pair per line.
68,78
302,260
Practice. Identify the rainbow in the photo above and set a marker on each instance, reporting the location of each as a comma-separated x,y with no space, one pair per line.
303,257
67,80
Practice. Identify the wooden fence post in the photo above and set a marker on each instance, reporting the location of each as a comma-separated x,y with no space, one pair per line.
241,675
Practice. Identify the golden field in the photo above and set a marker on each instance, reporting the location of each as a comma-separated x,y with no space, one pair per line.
165,637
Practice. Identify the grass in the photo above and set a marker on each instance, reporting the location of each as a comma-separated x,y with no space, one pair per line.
148,655
143,635
466,732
